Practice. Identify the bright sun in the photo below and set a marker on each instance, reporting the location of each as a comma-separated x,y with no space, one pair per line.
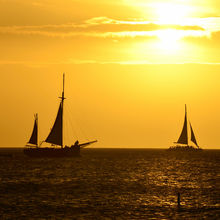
172,18
168,41
170,14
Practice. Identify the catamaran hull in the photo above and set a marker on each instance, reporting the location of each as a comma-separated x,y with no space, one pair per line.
52,152
184,148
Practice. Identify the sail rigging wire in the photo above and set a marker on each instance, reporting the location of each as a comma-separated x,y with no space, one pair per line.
80,114
81,131
70,133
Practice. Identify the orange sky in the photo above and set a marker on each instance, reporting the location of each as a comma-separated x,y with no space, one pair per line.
130,65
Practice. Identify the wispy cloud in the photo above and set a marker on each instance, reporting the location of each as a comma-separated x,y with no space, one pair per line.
99,27
36,64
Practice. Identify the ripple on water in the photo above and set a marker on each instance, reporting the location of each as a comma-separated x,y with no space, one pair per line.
106,184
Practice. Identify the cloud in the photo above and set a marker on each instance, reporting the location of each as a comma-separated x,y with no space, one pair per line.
98,27
100,62
211,40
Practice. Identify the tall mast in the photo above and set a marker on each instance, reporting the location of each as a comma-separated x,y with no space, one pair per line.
36,118
62,103
186,124
63,87
56,134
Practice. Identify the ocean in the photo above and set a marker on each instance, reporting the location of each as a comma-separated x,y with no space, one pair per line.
111,184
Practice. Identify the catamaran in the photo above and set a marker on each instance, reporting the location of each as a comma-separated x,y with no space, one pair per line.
183,143
55,138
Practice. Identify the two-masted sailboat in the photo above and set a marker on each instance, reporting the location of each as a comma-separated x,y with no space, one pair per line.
184,142
55,138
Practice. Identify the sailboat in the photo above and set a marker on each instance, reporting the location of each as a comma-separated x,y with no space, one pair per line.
55,138
183,143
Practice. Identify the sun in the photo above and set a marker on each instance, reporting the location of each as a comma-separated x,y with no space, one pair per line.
170,13
168,41
173,20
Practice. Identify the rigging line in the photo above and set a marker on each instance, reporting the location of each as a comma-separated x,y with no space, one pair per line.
78,126
66,133
84,134
69,122
84,124
74,125
73,134
91,130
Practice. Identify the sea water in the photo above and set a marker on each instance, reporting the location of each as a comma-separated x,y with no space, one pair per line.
111,184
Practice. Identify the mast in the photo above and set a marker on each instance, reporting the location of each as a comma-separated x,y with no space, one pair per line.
56,134
186,118
62,103
36,118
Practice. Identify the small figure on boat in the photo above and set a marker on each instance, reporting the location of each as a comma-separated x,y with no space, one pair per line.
76,144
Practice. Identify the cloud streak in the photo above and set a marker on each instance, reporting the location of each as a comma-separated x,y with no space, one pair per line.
100,62
98,27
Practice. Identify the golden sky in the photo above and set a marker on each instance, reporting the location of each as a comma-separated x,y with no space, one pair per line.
130,65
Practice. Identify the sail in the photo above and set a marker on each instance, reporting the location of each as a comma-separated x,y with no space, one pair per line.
56,133
34,135
183,139
193,138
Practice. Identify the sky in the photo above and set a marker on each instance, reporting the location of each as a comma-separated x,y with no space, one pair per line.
131,66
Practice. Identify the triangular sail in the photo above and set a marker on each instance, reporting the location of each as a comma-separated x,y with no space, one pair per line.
34,136
193,138
56,133
183,139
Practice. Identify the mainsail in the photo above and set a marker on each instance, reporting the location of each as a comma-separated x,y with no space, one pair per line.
34,136
183,139
193,138
56,134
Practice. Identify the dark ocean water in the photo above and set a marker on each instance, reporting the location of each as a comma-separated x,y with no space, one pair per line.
111,184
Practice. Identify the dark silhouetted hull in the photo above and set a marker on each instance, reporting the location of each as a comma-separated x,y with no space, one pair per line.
52,152
184,148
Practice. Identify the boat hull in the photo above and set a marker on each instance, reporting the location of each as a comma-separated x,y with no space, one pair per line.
184,148
52,152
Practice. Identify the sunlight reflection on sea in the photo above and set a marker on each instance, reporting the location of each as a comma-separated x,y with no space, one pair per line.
111,184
